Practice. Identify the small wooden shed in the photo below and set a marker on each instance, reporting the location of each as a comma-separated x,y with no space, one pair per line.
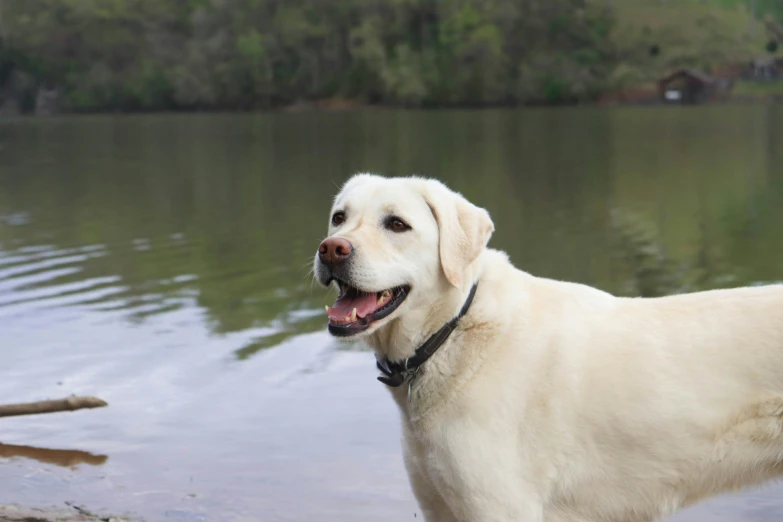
686,86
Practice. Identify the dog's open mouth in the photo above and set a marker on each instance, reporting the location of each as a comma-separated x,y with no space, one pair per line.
355,310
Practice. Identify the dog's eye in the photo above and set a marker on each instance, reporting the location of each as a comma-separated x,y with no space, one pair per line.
397,225
338,218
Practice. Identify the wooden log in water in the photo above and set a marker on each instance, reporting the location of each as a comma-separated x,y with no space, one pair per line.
53,406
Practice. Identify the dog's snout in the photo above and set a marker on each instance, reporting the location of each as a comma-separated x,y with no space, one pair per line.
335,250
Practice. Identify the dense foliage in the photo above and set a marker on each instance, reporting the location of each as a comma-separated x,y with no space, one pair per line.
245,54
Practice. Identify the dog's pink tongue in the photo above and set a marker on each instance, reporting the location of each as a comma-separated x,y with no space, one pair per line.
364,304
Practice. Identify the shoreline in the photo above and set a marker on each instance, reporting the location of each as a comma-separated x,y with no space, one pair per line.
72,513
628,98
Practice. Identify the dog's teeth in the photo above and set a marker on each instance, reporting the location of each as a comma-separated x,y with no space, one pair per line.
385,296
353,315
326,307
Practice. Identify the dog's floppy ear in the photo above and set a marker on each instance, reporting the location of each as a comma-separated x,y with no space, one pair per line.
464,229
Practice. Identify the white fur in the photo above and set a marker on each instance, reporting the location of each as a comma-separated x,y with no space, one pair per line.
555,401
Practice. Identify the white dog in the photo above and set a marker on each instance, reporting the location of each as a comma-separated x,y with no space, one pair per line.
549,401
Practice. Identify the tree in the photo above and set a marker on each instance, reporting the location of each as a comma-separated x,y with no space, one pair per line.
232,54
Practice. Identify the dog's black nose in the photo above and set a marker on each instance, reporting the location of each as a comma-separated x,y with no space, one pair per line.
335,250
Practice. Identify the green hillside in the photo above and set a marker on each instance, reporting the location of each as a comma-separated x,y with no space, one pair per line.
704,34
139,55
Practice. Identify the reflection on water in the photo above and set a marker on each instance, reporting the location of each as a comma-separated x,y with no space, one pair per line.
163,263
58,457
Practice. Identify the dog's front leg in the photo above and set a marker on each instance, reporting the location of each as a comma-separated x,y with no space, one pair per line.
433,507
481,479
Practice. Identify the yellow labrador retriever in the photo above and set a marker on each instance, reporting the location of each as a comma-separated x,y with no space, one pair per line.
526,399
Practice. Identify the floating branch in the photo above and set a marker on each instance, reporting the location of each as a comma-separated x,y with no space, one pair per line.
33,408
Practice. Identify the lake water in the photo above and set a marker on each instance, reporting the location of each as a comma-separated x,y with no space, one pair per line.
162,264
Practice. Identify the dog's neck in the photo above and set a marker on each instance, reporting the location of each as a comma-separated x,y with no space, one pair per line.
400,339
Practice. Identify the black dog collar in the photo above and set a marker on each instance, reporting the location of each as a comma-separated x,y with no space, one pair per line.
395,373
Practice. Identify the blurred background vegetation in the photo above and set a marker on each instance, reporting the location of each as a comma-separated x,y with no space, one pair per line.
143,55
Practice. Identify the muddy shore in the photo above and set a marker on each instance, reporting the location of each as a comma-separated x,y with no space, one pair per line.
69,513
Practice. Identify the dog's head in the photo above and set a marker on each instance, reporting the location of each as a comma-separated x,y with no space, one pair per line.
396,244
